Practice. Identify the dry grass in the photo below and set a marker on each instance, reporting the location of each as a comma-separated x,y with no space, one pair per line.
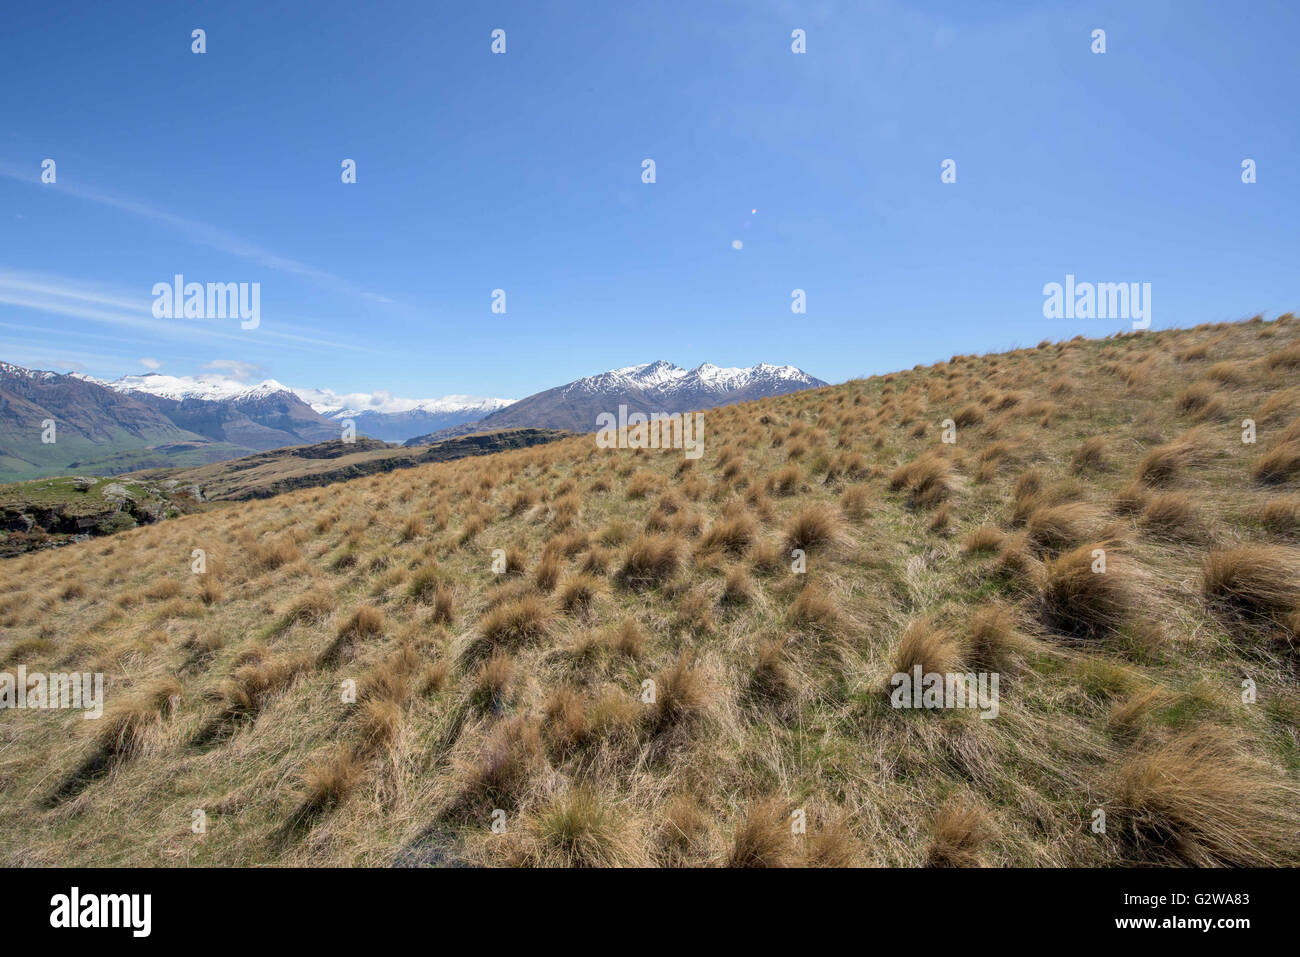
650,560
1197,800
813,528
657,680
1080,600
764,838
1166,462
1255,580
927,646
961,832
928,479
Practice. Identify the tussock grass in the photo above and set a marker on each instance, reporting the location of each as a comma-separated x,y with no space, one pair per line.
650,560
1259,581
813,528
530,691
928,479
1166,462
961,833
1197,800
1080,601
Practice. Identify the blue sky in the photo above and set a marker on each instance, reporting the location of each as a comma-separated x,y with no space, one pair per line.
522,172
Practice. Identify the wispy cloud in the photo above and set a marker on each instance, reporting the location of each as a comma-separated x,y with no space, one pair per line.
198,232
75,299
236,369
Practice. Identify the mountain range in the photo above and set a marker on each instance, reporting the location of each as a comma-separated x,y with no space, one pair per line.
160,421
657,386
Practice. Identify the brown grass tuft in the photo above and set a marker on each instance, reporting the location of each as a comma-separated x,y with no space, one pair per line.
1080,602
1258,581
962,829
650,560
1197,800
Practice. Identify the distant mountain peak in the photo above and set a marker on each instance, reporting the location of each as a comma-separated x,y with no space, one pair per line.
210,388
658,386
19,372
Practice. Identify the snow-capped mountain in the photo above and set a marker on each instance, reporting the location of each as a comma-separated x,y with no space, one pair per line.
209,388
338,406
154,419
382,415
651,387
379,414
664,378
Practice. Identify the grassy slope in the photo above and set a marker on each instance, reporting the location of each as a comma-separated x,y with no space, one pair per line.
778,703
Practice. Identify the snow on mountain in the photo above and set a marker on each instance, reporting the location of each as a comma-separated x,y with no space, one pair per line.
664,378
341,406
18,372
218,388
652,387
213,388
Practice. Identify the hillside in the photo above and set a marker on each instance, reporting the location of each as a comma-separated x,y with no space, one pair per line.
306,466
91,423
1154,694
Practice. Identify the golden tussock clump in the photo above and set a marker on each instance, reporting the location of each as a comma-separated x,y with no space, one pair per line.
509,757
814,609
734,535
124,727
814,527
578,592
1060,526
1281,515
1091,455
855,502
548,570
365,624
564,720
928,479
985,538
1132,498
683,693
326,780
926,645
764,838
269,556
1171,514
772,681
1254,580
1091,592
249,686
1279,464
627,639
1196,799
515,623
650,560
962,830
993,637
313,605
1287,358
492,679
1165,462
580,828
738,587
